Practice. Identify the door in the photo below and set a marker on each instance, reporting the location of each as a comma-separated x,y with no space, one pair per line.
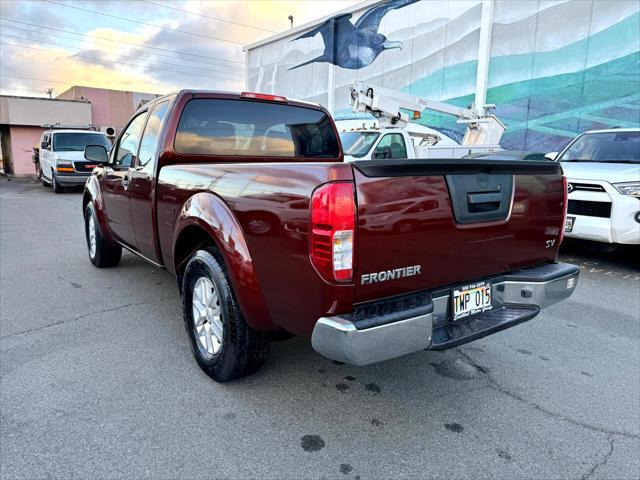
142,184
390,146
117,177
44,155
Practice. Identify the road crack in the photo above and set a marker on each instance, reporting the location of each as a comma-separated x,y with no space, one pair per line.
493,384
602,462
75,319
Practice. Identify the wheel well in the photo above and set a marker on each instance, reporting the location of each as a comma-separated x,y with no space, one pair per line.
192,238
86,198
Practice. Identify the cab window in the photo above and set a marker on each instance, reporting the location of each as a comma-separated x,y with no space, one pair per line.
129,141
391,146
149,142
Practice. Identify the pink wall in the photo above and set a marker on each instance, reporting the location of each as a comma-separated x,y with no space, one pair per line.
108,107
23,140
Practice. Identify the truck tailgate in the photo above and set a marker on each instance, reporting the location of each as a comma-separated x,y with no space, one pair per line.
426,224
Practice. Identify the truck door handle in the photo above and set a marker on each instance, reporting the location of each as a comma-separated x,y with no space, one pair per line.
488,197
126,180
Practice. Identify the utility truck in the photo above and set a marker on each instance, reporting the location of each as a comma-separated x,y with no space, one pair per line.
394,137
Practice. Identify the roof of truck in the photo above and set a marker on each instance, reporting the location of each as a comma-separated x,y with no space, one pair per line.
72,130
229,95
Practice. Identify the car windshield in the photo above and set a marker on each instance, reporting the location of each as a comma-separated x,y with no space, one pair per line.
613,147
75,142
358,144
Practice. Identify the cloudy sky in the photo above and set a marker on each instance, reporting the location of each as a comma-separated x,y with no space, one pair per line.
140,45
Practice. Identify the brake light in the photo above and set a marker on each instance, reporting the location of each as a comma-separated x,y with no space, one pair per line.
263,96
565,204
332,231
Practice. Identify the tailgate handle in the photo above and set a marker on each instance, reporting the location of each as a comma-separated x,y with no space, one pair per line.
489,197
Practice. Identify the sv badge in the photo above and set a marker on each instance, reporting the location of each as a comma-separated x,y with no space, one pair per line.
551,243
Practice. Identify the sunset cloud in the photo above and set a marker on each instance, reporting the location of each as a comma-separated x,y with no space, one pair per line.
84,48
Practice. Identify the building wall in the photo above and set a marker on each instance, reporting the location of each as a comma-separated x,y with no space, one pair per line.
555,67
23,139
109,107
44,111
23,119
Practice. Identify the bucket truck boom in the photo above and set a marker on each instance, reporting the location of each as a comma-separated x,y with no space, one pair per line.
483,129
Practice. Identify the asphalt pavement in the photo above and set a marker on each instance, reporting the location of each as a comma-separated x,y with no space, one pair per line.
97,380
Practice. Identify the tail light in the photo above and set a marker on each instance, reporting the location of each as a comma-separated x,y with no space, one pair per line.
332,232
565,204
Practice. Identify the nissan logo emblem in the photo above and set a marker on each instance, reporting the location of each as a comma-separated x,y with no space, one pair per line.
570,187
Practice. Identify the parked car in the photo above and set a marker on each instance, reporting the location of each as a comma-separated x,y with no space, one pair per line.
61,157
246,199
603,171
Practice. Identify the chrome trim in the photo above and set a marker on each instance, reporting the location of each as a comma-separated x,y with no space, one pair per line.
127,247
339,339
541,294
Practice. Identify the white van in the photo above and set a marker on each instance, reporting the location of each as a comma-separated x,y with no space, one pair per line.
62,162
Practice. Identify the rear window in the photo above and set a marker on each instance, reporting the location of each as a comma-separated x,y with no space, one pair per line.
248,128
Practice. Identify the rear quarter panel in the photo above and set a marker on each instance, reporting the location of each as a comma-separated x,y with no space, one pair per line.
270,203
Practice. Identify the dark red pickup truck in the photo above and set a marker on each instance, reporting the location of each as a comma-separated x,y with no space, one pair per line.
247,200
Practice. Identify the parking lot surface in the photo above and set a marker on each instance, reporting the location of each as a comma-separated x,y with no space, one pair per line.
97,380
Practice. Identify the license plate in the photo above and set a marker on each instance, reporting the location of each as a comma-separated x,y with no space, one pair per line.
470,299
568,224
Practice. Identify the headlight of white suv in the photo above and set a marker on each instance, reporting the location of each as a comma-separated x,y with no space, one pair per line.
628,188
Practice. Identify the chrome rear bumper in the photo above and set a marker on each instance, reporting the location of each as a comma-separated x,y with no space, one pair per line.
422,321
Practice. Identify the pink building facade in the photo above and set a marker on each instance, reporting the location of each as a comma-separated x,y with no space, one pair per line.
23,119
108,107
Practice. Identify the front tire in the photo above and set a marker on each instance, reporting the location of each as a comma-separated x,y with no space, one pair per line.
57,188
102,253
223,344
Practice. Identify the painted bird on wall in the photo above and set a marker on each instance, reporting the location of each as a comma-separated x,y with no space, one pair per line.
356,45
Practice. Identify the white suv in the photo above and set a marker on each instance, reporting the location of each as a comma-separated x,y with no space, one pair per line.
603,172
62,162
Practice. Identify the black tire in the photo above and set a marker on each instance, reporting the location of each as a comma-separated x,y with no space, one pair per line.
243,350
106,253
57,188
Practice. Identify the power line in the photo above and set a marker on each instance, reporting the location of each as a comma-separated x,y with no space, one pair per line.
35,79
208,16
100,61
128,43
143,23
99,44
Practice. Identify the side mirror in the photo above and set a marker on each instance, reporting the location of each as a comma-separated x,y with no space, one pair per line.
551,156
43,145
96,153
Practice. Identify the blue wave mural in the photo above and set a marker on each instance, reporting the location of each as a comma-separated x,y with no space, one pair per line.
556,68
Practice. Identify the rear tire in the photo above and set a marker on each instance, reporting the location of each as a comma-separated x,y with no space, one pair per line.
223,344
57,188
102,253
